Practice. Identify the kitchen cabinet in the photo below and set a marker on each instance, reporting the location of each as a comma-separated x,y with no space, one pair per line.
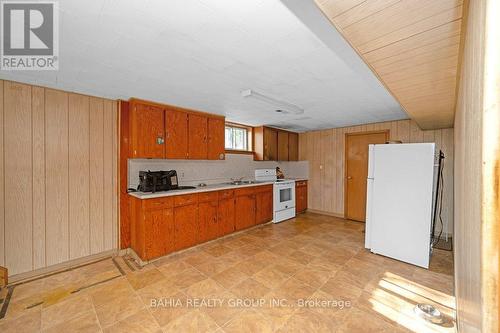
147,131
185,221
226,213
293,146
282,146
300,196
216,138
159,225
176,141
264,204
207,221
198,135
271,144
152,227
163,131
163,225
245,211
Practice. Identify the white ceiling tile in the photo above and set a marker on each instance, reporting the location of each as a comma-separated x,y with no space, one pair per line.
202,53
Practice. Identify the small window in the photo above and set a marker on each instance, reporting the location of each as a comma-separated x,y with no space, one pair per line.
237,138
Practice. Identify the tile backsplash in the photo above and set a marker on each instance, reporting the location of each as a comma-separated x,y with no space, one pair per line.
193,172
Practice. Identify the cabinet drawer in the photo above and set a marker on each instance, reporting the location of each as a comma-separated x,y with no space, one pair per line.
226,194
188,199
207,196
158,203
245,191
263,188
301,183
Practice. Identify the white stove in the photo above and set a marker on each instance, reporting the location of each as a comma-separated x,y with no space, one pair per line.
284,194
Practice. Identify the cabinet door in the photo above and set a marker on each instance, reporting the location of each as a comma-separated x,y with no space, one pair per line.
159,233
270,144
207,221
216,138
264,202
176,136
148,131
301,199
293,146
198,134
225,215
245,212
282,146
186,226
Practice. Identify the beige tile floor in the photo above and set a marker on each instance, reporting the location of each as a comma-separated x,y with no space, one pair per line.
310,274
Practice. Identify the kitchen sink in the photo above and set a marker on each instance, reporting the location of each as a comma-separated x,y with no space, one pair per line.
242,182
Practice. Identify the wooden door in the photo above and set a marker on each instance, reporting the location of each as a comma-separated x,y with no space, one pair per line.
225,216
176,136
356,156
293,146
207,221
216,138
270,144
198,134
264,203
186,226
148,131
282,146
159,232
245,211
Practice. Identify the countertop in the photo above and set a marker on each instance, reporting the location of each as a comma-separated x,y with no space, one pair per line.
208,188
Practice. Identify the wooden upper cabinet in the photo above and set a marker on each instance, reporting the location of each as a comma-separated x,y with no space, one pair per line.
293,146
147,131
282,146
216,138
198,136
271,144
176,136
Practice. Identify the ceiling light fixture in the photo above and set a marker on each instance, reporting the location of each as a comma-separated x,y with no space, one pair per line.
283,107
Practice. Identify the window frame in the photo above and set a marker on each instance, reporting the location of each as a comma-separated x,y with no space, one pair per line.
249,131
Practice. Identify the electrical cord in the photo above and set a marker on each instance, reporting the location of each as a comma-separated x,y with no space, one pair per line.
441,180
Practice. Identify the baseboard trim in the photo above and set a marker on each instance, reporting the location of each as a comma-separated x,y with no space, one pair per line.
315,211
64,266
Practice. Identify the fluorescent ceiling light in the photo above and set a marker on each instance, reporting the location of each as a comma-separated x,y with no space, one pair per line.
281,106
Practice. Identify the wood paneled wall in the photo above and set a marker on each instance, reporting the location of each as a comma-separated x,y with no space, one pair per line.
58,176
411,45
325,151
477,193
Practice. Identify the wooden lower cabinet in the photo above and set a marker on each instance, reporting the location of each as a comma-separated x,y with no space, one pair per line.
300,196
208,227
160,226
186,226
264,206
245,207
226,216
152,227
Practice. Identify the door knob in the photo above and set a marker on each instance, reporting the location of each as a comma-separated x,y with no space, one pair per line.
349,177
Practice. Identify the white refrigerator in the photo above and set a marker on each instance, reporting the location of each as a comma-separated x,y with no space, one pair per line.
400,200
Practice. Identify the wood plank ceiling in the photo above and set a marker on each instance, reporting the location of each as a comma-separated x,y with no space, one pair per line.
411,45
